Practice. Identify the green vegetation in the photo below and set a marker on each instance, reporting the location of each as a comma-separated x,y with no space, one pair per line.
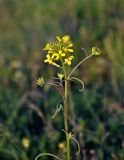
97,114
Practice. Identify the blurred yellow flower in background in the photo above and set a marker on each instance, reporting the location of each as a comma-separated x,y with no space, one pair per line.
15,64
25,142
62,145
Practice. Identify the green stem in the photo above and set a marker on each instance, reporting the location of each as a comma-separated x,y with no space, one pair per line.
65,102
66,118
66,114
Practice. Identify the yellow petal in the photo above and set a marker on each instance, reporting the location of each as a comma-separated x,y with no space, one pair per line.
66,38
55,56
71,57
63,54
58,38
46,60
70,45
70,50
55,64
48,56
67,62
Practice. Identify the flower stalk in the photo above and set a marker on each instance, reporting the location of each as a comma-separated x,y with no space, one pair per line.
66,116
59,54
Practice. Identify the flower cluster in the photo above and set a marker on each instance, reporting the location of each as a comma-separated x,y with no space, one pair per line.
96,51
40,81
59,50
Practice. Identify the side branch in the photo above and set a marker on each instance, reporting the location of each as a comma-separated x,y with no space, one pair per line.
79,65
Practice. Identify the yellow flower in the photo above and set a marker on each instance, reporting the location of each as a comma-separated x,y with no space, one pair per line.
25,142
96,51
62,54
55,56
59,51
15,64
68,60
47,47
40,82
49,59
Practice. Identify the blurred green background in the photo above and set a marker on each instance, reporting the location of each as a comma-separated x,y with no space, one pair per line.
97,114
